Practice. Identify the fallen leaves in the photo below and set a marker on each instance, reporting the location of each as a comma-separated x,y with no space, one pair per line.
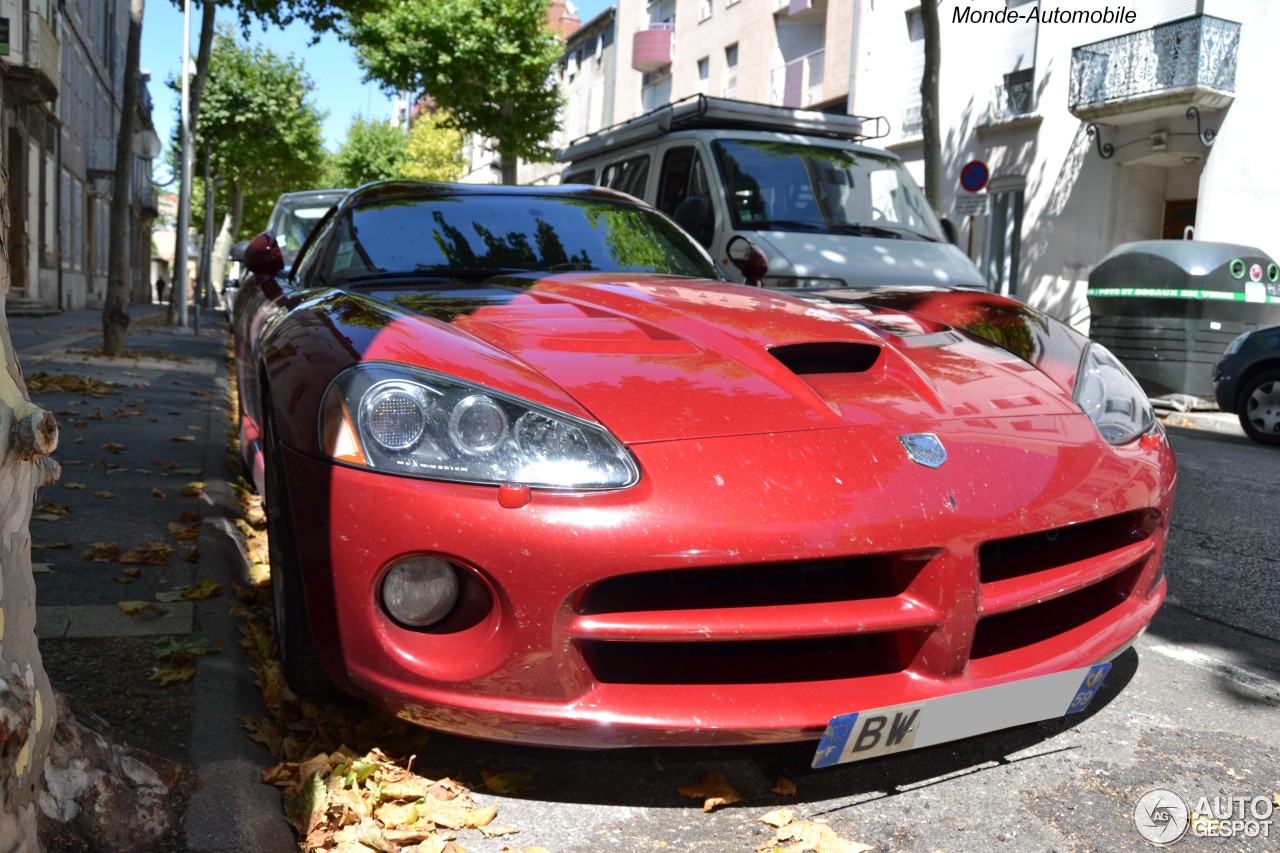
191,645
138,608
342,798
799,836
509,782
44,383
713,789
173,675
201,591
153,553
101,552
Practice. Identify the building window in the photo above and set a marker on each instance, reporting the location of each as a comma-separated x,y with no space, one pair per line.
704,75
655,89
731,71
704,10
1004,235
64,216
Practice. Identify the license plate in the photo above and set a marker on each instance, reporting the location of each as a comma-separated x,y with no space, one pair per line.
898,728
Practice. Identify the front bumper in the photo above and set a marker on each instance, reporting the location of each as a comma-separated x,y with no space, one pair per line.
749,588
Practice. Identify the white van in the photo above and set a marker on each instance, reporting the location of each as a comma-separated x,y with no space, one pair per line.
827,211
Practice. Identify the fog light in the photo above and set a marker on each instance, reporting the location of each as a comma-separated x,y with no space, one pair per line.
420,591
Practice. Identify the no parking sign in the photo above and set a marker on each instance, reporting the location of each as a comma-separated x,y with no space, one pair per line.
973,177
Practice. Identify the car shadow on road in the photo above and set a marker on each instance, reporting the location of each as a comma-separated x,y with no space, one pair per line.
1245,666
649,777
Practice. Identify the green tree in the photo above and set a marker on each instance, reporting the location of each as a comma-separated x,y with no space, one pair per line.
261,133
321,15
434,150
487,63
372,151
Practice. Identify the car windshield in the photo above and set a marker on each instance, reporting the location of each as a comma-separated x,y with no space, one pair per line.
294,218
786,186
481,235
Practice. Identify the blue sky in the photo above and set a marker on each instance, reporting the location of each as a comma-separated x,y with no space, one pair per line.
331,63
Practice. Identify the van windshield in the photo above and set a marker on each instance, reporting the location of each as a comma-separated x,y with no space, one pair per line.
787,186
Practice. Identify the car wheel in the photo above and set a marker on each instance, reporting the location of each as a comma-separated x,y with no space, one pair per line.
1260,408
295,643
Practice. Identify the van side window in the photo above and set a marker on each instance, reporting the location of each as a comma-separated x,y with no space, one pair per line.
583,176
628,176
682,176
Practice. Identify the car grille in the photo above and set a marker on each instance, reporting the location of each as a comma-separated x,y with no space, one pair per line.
926,611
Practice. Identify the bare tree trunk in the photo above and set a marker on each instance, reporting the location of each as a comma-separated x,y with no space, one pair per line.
508,162
929,105
115,310
27,707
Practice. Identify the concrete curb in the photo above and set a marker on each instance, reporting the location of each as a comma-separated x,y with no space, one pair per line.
233,810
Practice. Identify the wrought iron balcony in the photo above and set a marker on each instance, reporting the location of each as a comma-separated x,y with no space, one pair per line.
1188,62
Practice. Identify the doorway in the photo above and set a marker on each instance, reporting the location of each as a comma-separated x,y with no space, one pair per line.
1178,217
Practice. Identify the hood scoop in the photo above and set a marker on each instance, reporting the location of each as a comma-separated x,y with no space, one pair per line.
826,357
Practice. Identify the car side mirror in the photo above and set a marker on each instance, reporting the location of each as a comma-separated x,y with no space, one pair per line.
749,258
951,231
237,250
262,255
695,215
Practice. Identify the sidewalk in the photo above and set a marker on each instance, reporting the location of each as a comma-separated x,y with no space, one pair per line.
143,444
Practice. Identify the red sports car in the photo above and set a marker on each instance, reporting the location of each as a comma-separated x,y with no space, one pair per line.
534,471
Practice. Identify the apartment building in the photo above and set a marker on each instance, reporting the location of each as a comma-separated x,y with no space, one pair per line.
32,79
1098,123
63,78
93,35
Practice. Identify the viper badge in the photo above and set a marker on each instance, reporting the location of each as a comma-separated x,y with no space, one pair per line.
924,448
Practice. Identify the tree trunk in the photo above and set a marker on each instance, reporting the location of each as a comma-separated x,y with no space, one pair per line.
27,707
508,162
227,234
929,105
115,310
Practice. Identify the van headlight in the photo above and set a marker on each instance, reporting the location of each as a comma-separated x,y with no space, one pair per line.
1111,397
418,423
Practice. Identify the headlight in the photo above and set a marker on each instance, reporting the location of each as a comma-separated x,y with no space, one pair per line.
1235,345
419,423
1112,397
802,282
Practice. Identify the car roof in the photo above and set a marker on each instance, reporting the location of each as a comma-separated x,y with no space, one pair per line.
406,189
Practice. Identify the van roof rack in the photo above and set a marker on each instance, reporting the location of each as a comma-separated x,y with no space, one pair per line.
702,111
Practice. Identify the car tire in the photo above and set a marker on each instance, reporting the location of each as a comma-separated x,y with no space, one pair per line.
295,642
1259,408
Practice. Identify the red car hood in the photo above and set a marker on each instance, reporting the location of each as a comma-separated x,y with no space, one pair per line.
657,358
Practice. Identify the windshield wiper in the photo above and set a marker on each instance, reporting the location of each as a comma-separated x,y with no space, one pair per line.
784,224
896,232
